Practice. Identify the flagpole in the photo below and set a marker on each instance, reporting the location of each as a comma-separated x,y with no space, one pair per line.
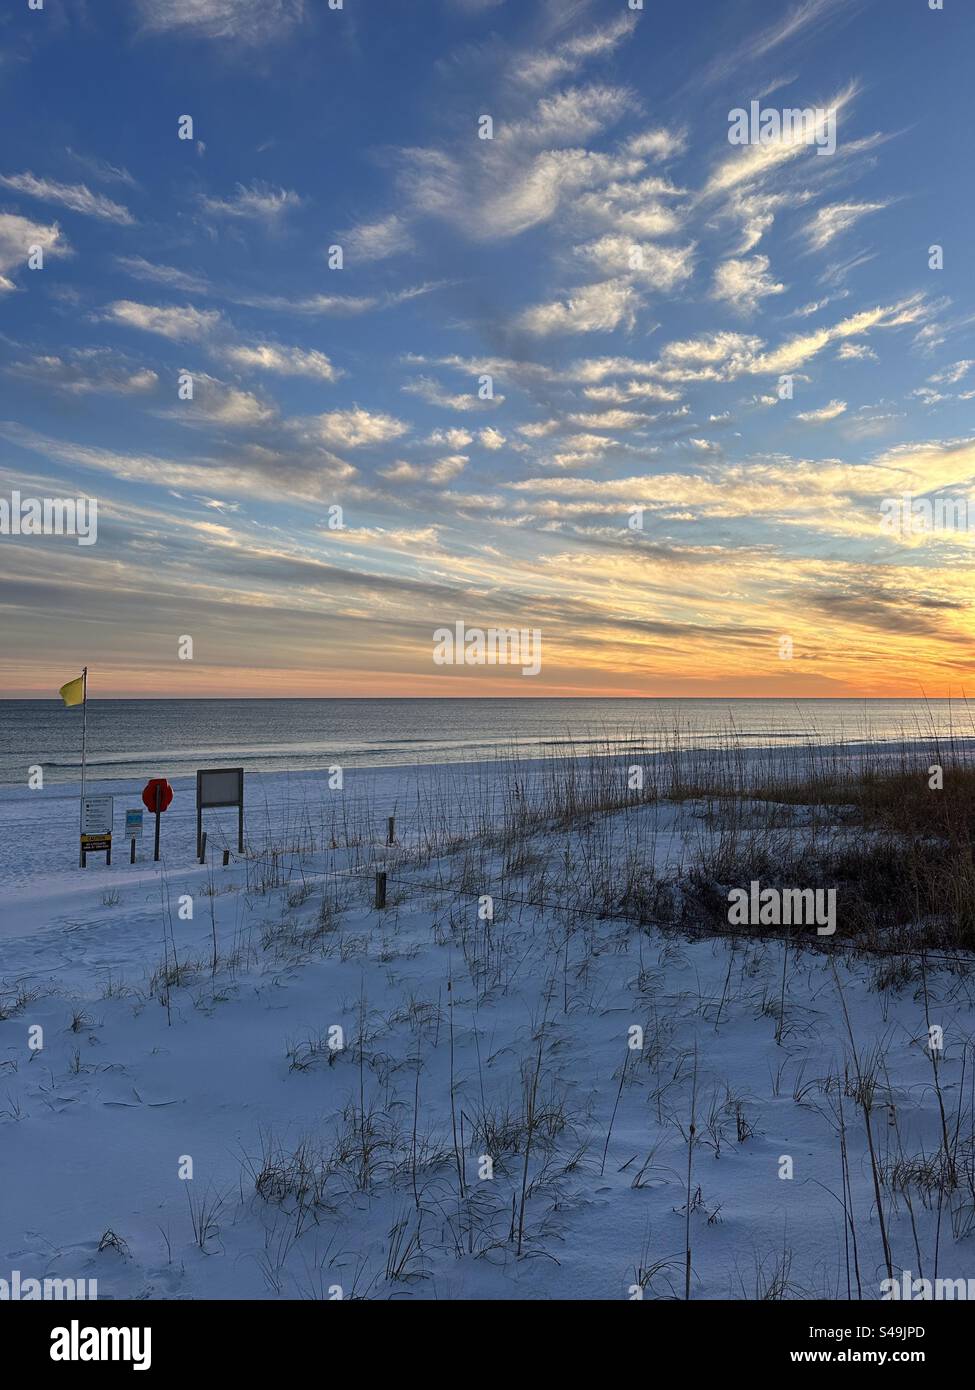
84,726
84,748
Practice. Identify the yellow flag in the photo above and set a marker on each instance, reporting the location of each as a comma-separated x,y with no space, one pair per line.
74,692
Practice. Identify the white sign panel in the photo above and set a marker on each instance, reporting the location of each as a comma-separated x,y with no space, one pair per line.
221,786
96,815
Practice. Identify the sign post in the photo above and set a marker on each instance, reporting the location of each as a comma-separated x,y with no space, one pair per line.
96,828
133,831
219,786
156,796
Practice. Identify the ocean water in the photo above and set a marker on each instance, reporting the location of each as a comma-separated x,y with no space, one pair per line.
172,738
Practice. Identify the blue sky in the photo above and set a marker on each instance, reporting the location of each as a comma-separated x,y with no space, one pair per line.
635,285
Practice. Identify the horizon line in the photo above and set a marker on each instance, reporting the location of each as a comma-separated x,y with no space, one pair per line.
528,699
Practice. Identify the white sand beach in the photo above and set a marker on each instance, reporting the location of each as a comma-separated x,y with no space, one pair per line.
431,1101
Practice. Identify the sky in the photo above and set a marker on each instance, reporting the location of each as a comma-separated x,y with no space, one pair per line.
486,320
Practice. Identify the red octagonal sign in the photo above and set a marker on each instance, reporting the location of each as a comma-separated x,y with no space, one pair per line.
149,794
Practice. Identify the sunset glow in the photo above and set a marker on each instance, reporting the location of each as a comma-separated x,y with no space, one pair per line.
533,380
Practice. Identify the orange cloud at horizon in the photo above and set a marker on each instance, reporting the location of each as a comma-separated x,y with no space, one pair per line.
114,681
865,613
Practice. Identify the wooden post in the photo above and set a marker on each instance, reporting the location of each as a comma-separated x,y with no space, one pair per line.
132,850
84,747
155,855
380,890
199,816
203,849
226,857
391,831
